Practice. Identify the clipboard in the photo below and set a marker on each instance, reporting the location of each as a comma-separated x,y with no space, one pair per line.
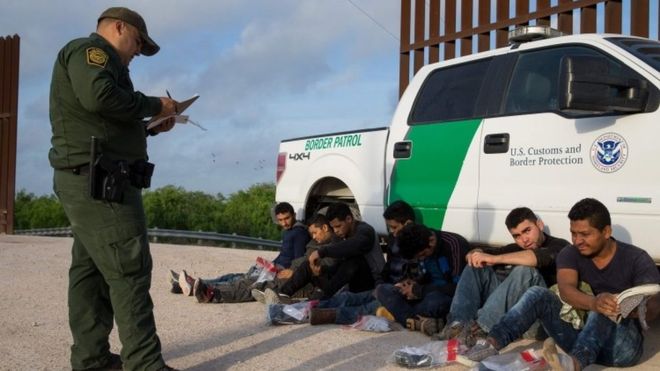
181,107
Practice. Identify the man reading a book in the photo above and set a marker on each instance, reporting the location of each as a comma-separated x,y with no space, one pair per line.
609,267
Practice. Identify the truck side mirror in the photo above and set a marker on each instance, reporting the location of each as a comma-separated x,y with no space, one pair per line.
586,84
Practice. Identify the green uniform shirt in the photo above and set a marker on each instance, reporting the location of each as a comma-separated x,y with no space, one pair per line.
91,94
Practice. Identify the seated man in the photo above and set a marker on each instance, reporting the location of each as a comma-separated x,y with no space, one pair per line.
484,294
360,258
397,215
346,307
235,288
294,236
440,258
323,277
609,267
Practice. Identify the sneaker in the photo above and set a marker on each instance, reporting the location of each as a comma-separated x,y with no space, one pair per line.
271,297
172,276
203,292
451,330
286,299
258,295
556,360
471,333
186,282
173,280
426,325
383,312
431,326
322,316
480,351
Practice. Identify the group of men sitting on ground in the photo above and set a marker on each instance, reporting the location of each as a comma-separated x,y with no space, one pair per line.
432,281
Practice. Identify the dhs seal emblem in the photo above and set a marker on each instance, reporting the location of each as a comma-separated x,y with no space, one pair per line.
609,152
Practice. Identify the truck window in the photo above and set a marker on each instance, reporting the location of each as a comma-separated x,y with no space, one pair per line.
449,93
535,80
646,50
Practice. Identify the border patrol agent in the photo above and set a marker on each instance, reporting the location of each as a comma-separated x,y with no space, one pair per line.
110,275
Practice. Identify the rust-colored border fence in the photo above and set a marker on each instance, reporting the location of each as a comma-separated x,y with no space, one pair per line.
423,22
9,57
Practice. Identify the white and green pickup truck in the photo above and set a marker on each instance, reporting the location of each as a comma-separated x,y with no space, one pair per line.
541,124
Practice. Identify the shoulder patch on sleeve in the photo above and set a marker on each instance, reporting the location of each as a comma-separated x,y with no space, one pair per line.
96,57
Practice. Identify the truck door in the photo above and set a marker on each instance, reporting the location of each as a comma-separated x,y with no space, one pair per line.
535,155
435,149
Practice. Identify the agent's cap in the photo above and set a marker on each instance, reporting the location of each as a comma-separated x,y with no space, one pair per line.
149,47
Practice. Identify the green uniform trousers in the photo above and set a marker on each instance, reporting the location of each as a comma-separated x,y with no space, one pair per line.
110,276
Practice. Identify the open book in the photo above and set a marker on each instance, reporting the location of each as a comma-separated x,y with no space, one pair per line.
180,119
629,299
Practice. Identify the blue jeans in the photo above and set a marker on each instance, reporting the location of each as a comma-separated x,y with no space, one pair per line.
484,296
225,278
434,303
350,306
600,341
231,277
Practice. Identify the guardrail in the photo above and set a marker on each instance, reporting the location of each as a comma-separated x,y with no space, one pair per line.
55,232
156,233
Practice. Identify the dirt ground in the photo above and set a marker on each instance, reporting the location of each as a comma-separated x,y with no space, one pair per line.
34,333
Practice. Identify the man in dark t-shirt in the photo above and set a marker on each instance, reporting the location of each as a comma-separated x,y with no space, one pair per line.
609,267
495,278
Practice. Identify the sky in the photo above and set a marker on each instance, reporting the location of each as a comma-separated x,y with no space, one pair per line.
264,70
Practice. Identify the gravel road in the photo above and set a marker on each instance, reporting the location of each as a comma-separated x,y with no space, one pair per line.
34,333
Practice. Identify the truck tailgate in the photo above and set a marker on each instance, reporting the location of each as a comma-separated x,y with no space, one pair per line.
314,166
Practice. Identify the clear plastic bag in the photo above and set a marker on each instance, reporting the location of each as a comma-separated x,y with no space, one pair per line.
268,270
432,354
372,324
527,360
289,314
299,311
254,271
276,315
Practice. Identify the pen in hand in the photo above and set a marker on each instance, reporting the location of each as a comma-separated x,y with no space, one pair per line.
176,104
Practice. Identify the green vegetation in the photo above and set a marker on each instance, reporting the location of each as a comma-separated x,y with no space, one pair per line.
246,212
174,208
32,212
